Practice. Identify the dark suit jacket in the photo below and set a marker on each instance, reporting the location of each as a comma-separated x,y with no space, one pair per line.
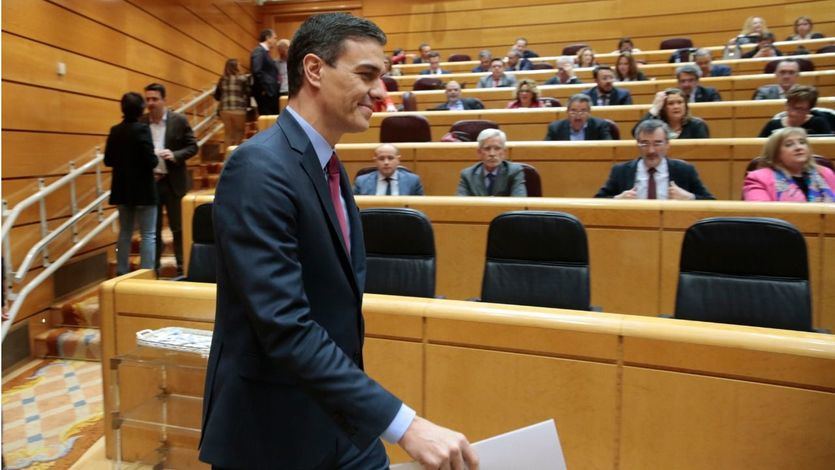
469,103
130,152
408,184
179,138
720,70
556,81
509,182
264,73
596,129
622,177
617,96
695,128
285,370
705,94
427,72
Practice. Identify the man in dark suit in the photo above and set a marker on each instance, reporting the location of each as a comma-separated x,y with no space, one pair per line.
265,74
516,63
493,175
285,386
705,63
454,101
605,93
579,125
688,82
389,179
174,143
565,73
434,65
653,175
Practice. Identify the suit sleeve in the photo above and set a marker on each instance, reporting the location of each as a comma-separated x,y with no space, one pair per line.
603,129
256,221
754,189
189,143
696,186
463,186
759,94
610,188
110,157
476,104
628,99
418,186
518,188
552,131
716,96
356,189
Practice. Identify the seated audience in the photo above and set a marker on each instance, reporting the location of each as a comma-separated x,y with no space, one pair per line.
385,103
791,174
765,48
493,176
434,65
424,50
671,106
565,73
390,71
527,95
388,179
398,56
497,77
787,73
803,30
484,58
688,82
654,175
454,101
579,125
753,28
626,69
799,103
705,62
521,45
515,62
585,57
605,93
626,45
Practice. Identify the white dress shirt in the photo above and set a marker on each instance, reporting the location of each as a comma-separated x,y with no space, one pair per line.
381,184
662,179
158,136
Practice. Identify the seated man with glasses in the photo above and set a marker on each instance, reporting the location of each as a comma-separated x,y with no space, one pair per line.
653,175
579,125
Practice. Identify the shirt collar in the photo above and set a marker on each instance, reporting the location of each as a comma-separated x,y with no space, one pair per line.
162,121
495,171
393,177
323,149
266,48
661,168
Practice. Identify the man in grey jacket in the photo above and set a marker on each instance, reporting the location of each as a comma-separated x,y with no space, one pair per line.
493,176
497,77
787,73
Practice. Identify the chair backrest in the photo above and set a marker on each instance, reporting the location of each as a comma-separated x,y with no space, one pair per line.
473,127
459,58
613,129
533,182
428,83
409,101
826,49
541,66
368,169
573,48
759,162
202,264
537,258
391,83
550,102
806,65
745,271
409,128
400,252
676,43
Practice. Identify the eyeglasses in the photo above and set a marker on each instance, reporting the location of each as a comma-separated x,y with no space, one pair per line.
645,144
574,112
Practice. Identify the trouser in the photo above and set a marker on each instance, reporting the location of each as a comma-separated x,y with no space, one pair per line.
348,457
146,218
171,202
234,121
267,104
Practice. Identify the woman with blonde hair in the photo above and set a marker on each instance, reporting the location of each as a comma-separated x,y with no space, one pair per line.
232,92
527,95
671,106
585,57
791,174
753,28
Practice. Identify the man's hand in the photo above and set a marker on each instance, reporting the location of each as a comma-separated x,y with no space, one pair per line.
166,154
674,192
436,447
628,194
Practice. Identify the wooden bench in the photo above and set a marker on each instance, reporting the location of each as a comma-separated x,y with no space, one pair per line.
625,391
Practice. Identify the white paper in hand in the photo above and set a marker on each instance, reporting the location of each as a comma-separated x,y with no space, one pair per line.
535,447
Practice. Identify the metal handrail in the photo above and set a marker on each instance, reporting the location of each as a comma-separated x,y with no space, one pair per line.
47,236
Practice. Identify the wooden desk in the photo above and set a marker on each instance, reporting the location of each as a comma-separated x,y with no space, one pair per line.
626,391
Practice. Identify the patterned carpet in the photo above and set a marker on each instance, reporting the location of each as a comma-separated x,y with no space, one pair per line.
52,414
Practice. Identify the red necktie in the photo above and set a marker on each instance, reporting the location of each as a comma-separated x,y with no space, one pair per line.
333,182
651,184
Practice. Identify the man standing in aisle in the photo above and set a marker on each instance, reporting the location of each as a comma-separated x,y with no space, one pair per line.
285,386
265,74
174,143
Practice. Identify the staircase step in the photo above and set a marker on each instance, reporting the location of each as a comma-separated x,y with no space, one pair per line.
81,313
69,343
167,269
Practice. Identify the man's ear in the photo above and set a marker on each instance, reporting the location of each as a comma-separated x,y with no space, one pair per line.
312,66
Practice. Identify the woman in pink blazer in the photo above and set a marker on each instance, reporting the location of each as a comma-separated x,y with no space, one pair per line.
791,174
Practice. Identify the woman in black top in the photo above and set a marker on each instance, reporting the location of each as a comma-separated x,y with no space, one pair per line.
626,69
130,152
671,107
800,99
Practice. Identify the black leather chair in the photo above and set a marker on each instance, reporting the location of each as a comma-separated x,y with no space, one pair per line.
409,101
472,127
676,43
539,259
745,271
202,264
408,128
613,129
391,83
573,48
428,83
541,66
400,252
533,182
550,102
459,58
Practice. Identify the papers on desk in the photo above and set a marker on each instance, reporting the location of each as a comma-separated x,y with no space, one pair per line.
535,447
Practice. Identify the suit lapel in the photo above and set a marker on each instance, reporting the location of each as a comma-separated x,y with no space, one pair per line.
168,130
631,169
501,177
478,180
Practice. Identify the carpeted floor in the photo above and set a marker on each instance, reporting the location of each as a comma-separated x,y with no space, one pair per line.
52,414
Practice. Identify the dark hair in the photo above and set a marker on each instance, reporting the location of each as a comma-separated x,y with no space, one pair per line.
265,34
231,67
649,126
767,36
625,40
133,105
632,73
662,113
157,87
599,68
802,94
433,54
324,35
